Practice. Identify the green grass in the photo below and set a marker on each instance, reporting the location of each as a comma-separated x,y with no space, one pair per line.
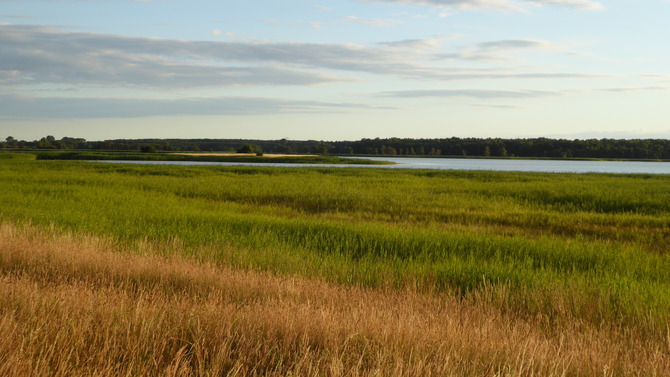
135,156
593,247
17,156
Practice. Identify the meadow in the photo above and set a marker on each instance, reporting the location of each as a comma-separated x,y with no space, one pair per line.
112,269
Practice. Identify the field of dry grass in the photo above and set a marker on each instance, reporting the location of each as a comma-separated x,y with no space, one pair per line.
75,305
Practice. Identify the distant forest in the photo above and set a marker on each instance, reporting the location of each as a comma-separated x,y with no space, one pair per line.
653,149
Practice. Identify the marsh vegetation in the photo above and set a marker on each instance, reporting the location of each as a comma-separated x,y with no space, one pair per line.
116,269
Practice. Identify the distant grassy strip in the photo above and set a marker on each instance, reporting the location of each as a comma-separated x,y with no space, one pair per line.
130,156
17,156
591,247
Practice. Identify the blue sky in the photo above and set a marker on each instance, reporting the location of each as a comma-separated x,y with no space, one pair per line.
334,70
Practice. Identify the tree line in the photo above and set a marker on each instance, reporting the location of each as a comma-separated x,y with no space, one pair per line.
655,149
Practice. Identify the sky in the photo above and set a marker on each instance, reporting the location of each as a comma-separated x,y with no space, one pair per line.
334,70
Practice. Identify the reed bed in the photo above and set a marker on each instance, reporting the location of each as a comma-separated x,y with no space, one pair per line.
397,272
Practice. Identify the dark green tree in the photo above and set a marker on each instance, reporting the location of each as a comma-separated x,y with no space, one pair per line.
11,142
247,148
45,143
389,150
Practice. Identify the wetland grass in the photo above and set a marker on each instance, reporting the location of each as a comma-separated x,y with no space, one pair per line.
74,305
577,261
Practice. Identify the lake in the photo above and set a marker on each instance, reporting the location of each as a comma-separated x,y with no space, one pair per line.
546,166
543,166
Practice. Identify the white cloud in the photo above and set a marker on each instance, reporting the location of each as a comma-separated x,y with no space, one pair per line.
504,5
455,4
473,93
512,44
577,4
417,45
14,17
496,106
216,32
509,93
373,21
661,76
635,89
506,50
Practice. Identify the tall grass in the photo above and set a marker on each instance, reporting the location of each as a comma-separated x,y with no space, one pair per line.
592,247
75,305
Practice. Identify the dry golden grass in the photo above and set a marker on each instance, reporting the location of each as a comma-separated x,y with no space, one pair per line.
75,305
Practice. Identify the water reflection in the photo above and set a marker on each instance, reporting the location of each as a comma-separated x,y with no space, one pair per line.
543,166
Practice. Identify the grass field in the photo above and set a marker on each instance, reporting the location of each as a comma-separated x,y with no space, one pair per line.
117,269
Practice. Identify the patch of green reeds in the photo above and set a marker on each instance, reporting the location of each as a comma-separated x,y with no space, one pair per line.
17,156
163,156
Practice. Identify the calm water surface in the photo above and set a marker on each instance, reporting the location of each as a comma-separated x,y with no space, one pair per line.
546,166
543,166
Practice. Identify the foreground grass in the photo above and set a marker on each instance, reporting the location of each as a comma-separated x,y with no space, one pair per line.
78,305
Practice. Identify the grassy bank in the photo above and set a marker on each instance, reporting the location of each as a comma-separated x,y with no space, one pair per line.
204,157
17,156
581,257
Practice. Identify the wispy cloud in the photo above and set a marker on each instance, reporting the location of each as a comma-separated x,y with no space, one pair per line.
41,54
507,50
503,5
635,89
378,22
456,4
416,45
496,106
512,44
510,94
13,106
472,93
577,4
657,76
13,16
38,54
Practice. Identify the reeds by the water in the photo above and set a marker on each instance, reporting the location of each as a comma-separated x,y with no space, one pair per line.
516,273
